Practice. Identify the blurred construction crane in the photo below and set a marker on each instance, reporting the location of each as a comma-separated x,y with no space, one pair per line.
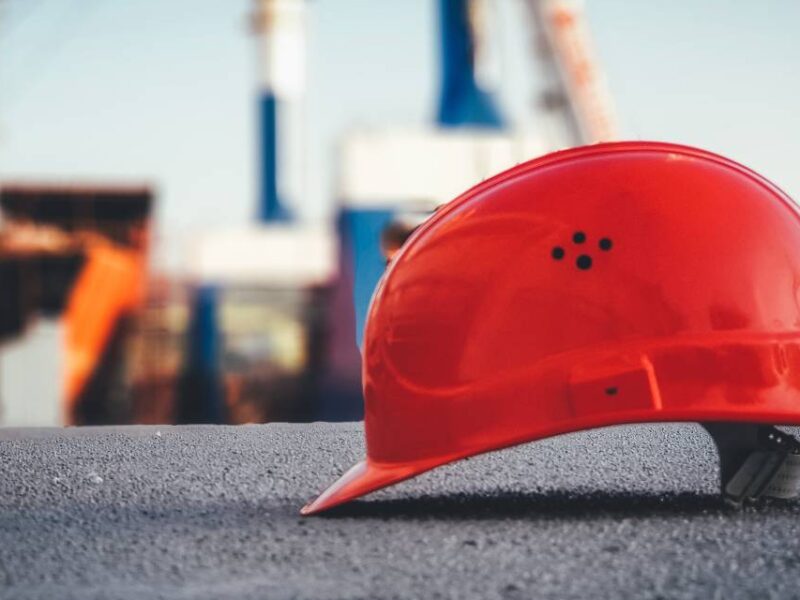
573,98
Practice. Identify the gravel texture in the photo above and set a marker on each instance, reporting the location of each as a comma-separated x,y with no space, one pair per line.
212,512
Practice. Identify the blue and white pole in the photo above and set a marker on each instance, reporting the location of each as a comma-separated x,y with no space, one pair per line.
281,29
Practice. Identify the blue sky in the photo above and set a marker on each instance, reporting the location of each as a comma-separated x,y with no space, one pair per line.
165,91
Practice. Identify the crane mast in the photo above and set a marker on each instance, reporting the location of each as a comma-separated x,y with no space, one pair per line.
574,96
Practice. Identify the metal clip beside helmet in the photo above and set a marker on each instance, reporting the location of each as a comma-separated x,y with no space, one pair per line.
756,461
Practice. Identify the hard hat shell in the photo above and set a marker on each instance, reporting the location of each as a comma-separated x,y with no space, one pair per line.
614,283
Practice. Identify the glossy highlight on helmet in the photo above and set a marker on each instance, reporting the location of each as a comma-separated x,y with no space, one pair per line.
615,283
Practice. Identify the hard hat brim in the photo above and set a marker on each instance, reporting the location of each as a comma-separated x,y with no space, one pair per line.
361,479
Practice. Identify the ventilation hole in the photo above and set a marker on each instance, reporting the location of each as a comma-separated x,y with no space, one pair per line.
578,237
584,262
611,391
558,253
605,244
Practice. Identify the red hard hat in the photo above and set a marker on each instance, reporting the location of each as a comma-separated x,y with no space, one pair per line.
616,283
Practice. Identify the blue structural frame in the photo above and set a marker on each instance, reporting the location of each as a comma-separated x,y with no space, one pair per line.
270,207
201,398
360,231
461,101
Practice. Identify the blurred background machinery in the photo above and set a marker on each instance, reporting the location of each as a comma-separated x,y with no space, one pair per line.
72,278
265,321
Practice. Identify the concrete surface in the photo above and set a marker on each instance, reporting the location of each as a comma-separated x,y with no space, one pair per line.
212,512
